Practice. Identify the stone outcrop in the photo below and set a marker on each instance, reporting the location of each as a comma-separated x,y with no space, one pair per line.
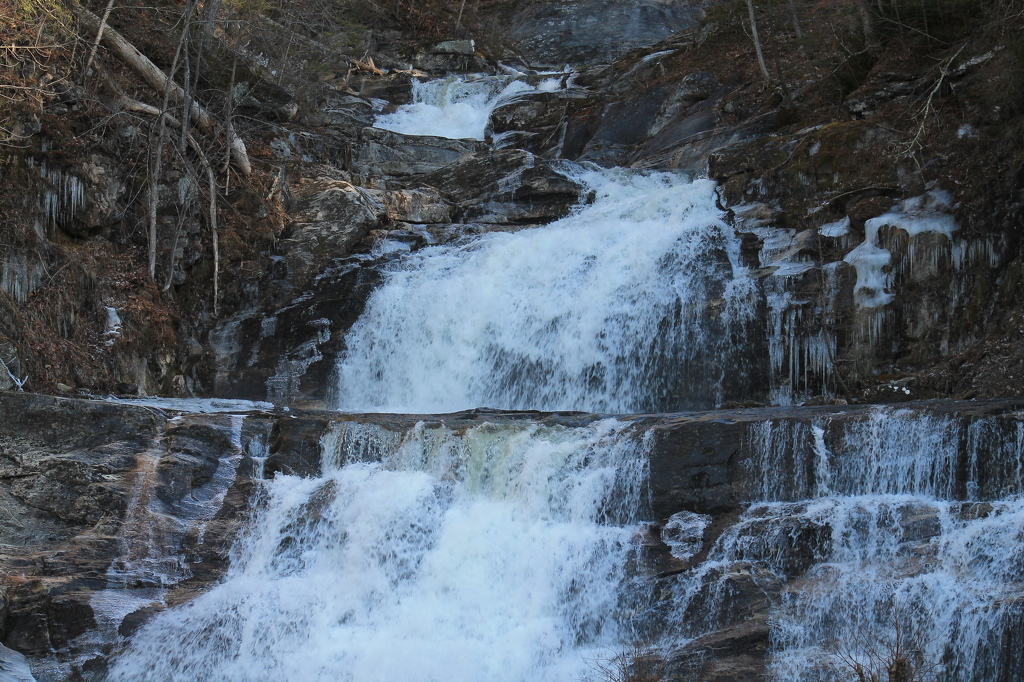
137,499
585,31
329,218
109,496
384,153
506,186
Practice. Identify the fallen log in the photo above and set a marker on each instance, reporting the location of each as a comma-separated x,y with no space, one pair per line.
156,79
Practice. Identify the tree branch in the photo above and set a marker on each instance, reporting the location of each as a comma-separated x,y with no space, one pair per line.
156,79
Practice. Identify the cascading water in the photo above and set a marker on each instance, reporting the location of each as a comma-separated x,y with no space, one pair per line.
452,107
504,551
494,554
884,557
628,305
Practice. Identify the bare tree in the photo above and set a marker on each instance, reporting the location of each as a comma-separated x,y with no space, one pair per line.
868,22
757,42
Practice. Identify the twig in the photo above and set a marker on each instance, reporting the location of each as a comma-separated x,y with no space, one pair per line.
96,42
926,109
757,42
211,179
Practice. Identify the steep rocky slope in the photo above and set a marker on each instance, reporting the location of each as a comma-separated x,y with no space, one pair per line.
838,138
876,179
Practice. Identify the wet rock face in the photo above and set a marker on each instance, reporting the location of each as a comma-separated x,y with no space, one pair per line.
288,353
590,31
104,496
506,186
14,667
384,153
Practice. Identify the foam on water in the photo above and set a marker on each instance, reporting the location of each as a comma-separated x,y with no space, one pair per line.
497,554
627,305
883,551
453,107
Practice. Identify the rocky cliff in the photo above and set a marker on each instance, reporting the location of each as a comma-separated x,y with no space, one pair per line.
878,191
873,172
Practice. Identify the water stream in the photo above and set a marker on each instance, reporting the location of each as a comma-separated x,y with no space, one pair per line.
496,554
879,551
631,304
507,552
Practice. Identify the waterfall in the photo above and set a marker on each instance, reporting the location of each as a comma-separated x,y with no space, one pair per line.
511,551
495,554
628,305
879,549
452,107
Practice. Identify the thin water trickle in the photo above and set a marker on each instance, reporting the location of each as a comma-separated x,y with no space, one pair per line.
872,546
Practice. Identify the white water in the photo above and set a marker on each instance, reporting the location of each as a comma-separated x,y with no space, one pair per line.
625,306
497,554
194,405
881,549
500,553
453,107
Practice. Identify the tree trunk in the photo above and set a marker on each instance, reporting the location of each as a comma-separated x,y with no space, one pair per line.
156,79
96,42
870,37
757,43
211,181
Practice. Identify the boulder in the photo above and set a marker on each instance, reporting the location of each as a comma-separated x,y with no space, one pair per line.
508,186
450,56
328,217
463,47
193,452
347,111
385,153
449,63
528,111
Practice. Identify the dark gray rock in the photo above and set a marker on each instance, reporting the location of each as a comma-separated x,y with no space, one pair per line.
88,485
193,452
506,186
538,121
295,447
394,87
528,111
463,47
288,352
329,217
384,153
443,63
421,206
589,31
347,111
